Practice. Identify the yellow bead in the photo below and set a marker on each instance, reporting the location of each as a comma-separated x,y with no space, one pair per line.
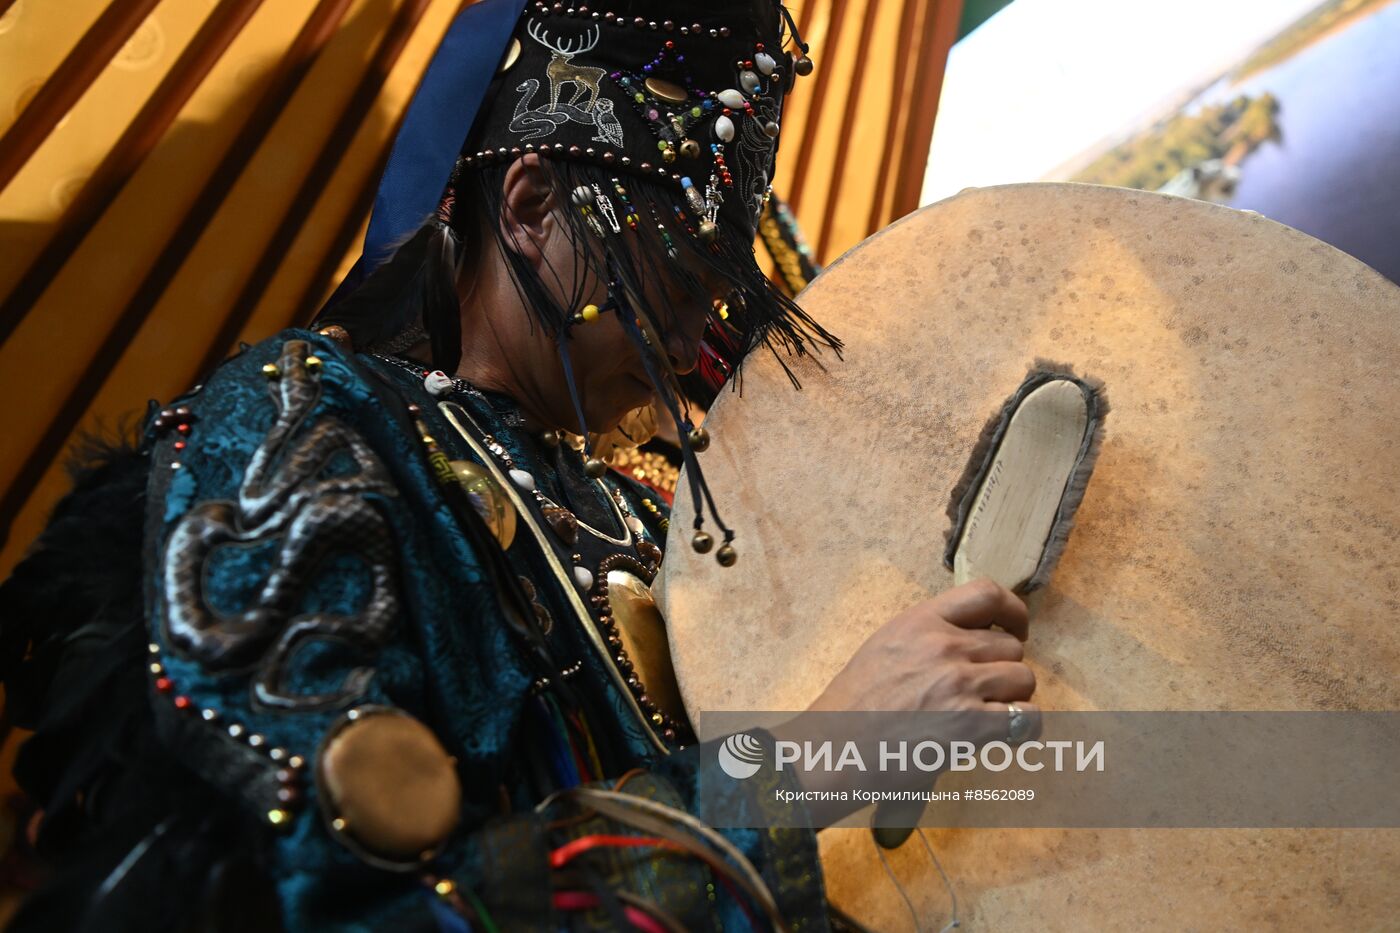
271,371
444,888
313,363
590,312
278,817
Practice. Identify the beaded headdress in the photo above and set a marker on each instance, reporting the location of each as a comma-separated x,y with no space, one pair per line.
659,122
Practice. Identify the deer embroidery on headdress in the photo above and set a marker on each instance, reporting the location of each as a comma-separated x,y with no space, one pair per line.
585,105
562,70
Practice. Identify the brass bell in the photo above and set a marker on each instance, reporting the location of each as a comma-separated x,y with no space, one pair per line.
726,555
595,468
702,542
550,438
803,66
690,149
699,440
709,232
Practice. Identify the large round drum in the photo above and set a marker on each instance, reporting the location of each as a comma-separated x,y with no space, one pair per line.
1236,548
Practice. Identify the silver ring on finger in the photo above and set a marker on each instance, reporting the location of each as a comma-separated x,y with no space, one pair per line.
1018,729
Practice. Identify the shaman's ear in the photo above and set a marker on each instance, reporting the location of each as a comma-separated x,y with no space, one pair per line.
528,204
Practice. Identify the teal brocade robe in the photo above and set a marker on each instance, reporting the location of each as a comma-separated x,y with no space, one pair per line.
306,558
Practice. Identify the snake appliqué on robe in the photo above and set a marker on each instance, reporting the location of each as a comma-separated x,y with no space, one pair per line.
287,495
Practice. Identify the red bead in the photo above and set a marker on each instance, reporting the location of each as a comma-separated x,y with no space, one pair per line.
180,445
165,684
183,428
670,44
758,47
183,702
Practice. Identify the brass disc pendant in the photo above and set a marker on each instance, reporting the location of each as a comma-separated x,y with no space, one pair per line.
490,500
643,633
665,90
511,57
388,787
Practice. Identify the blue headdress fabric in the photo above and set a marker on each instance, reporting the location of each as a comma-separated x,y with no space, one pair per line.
447,102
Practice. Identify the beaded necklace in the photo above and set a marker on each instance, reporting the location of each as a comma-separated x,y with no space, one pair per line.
564,523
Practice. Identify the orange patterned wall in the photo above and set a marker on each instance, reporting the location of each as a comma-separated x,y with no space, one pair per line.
177,176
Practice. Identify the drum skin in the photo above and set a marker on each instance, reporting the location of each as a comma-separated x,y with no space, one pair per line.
1236,548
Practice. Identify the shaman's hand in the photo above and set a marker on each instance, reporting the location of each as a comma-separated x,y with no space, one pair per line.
939,656
942,655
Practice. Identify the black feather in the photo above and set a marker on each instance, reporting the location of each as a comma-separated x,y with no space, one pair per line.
133,839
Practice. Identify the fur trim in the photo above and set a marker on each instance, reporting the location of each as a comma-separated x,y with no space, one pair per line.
989,440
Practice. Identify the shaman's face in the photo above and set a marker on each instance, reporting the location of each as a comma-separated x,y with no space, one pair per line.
608,365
